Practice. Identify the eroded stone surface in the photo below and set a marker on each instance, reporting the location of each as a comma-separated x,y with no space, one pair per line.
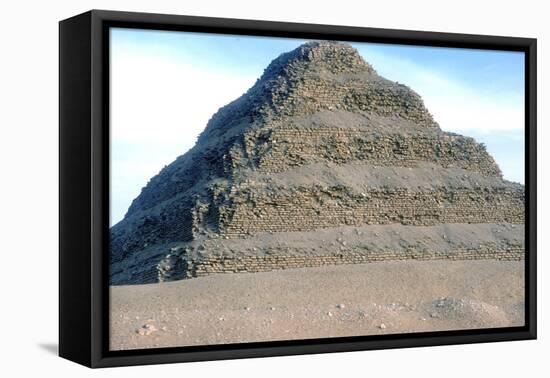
321,142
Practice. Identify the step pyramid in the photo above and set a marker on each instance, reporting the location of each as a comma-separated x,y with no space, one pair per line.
322,161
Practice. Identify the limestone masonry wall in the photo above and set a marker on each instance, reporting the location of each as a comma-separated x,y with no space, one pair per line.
313,208
289,147
319,142
312,93
213,265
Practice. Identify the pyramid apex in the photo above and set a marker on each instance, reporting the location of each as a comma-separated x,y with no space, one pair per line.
333,56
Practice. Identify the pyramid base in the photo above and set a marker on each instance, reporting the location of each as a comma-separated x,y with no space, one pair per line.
342,245
213,254
265,264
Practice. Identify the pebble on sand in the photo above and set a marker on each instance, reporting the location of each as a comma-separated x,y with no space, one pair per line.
341,305
382,326
146,329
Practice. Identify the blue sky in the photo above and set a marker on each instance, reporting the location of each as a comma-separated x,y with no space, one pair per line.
165,86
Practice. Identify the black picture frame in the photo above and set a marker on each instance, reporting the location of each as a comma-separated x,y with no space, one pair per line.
84,187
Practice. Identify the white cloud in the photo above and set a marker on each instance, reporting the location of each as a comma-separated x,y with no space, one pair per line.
170,97
459,108
159,106
455,105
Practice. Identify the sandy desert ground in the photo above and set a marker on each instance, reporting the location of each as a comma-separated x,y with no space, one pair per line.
376,298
